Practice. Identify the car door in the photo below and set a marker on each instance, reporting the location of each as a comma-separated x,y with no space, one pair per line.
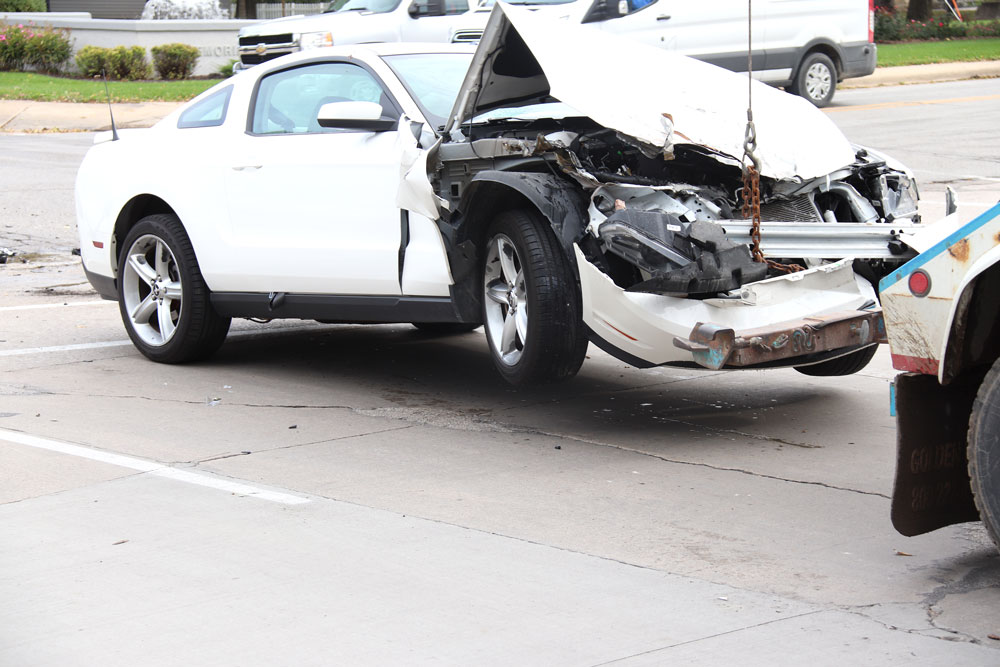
312,210
715,33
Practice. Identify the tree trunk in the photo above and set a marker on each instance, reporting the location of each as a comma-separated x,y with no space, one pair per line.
246,9
919,10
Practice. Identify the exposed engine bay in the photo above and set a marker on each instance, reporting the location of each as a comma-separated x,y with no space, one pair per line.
670,223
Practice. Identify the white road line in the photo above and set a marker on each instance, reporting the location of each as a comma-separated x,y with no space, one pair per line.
151,468
63,348
39,306
121,343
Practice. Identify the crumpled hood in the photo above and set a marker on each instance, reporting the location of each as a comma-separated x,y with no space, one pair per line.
656,97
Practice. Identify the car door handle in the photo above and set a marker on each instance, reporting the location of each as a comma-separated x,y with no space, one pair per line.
663,17
247,167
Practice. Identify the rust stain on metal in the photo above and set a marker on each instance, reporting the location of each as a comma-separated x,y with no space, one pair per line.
997,237
960,250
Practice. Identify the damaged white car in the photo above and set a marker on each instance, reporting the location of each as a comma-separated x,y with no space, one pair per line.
557,191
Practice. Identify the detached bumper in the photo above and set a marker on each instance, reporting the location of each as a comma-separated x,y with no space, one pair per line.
717,347
640,328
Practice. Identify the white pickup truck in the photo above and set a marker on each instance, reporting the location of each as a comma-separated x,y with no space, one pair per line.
353,22
802,45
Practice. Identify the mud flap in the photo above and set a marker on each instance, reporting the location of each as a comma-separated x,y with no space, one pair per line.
932,469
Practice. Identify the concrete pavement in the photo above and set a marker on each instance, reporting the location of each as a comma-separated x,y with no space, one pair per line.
29,116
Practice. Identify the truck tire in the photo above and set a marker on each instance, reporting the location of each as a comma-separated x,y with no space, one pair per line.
984,452
849,364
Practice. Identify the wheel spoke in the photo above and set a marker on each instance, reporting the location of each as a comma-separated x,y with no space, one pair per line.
521,320
142,312
497,292
171,290
162,259
137,262
508,341
166,321
506,252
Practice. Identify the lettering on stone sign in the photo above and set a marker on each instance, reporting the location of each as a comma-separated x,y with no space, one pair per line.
219,51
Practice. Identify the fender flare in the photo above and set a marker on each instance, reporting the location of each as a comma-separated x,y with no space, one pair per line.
561,204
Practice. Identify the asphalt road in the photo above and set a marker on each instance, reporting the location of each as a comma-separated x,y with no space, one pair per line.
374,495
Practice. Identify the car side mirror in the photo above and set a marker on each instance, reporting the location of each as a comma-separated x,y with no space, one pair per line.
354,116
421,8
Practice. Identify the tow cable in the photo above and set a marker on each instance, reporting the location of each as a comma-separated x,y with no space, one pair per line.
751,167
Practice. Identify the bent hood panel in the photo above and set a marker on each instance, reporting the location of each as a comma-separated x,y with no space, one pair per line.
654,96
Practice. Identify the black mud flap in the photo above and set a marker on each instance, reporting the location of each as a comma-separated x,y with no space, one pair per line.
932,469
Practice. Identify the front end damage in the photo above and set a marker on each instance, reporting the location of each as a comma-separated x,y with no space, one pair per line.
664,266
669,278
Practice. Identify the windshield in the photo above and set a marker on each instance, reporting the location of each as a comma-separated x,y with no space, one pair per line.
374,6
432,79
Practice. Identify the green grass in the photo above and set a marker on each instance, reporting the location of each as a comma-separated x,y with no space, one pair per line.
949,51
28,86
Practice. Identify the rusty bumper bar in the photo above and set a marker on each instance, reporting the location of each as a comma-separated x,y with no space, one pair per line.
717,347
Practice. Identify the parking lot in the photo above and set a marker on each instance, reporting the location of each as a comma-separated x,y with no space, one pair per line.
341,494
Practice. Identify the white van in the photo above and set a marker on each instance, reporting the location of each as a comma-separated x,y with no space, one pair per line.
806,46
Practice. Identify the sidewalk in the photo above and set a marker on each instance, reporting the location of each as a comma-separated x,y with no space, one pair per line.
28,116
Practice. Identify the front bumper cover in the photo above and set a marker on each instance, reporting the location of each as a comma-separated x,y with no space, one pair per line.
716,347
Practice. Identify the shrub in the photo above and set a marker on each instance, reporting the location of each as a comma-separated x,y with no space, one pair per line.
892,27
174,61
128,62
183,9
888,26
121,62
22,46
22,5
227,69
49,50
13,47
92,60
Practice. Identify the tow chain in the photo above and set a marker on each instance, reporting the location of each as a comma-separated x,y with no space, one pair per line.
751,169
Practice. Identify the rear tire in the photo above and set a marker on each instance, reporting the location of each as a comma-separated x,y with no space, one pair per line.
984,452
162,297
849,364
531,302
816,79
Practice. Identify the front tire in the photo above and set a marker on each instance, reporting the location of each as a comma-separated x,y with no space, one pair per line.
984,452
816,79
531,302
162,296
849,364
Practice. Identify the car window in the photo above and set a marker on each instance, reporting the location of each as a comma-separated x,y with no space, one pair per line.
287,102
209,112
456,6
432,79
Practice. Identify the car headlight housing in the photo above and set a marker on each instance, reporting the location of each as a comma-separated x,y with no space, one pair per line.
315,40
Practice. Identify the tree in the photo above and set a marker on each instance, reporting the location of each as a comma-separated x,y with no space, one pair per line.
246,9
919,10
